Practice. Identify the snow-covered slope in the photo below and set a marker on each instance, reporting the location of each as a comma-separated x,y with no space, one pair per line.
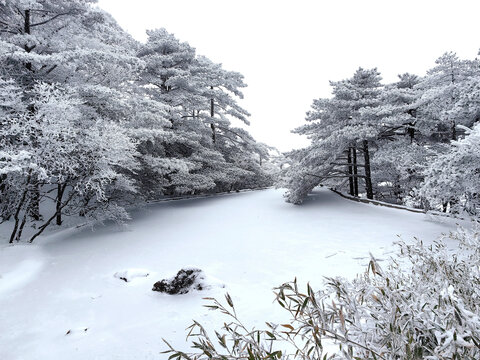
61,299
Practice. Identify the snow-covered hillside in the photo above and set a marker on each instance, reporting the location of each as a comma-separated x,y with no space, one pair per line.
62,297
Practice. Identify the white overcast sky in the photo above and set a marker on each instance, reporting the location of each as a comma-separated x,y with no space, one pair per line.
289,50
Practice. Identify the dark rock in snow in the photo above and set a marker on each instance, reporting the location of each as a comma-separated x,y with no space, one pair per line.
185,281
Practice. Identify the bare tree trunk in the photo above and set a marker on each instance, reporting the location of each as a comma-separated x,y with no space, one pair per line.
26,25
19,208
368,176
42,228
454,131
214,135
27,30
3,177
350,171
60,191
355,171
212,114
22,225
411,132
16,217
411,125
86,200
34,204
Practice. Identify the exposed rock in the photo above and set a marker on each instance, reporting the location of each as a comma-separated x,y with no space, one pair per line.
182,283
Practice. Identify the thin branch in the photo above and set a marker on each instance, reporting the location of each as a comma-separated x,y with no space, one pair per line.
20,12
45,225
342,176
51,69
229,138
51,19
233,132
335,176
9,31
347,164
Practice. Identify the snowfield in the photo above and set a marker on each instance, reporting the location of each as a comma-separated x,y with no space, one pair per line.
63,297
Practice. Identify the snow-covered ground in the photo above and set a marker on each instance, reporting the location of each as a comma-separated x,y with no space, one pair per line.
63,298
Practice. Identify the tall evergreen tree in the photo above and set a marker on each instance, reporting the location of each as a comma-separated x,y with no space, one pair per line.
338,130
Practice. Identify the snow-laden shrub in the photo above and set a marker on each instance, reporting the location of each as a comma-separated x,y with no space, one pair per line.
423,305
452,176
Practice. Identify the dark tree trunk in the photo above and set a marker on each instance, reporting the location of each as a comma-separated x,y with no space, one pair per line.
411,132
16,217
452,204
411,125
454,131
60,191
368,176
212,114
84,209
355,171
350,171
214,135
34,204
27,30
42,228
3,177
22,225
19,208
26,26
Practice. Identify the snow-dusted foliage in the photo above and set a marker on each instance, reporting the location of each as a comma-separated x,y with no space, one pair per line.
200,102
423,305
452,177
339,133
93,121
415,133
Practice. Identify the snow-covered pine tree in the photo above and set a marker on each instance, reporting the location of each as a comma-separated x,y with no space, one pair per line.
441,90
165,112
339,132
446,108
200,105
400,152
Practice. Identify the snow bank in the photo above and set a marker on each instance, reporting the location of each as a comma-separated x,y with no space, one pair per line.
19,266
